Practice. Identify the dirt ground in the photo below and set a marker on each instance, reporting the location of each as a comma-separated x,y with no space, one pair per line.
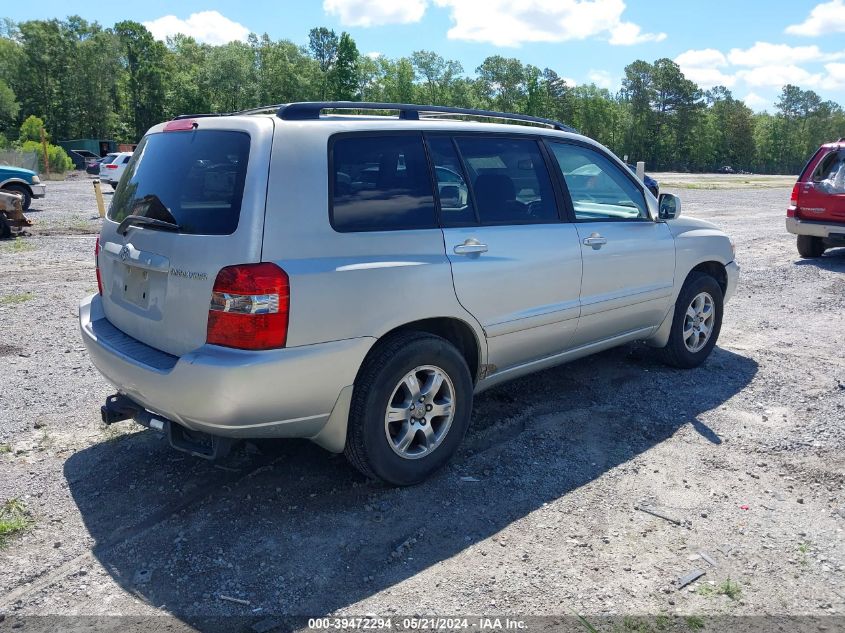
537,516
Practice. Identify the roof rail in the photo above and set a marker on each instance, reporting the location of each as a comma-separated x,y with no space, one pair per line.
310,110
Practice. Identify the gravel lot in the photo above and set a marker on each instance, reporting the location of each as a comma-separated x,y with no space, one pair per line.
537,514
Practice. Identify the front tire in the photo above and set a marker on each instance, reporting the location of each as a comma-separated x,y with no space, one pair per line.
410,408
26,197
696,322
810,246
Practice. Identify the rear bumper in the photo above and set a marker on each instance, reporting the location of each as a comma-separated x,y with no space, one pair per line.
38,191
816,229
294,392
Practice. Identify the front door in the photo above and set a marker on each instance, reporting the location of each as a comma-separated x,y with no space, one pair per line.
516,266
628,258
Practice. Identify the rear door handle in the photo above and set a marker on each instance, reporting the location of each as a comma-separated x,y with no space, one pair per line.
595,240
470,247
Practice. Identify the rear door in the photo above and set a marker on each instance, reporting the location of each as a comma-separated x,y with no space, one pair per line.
628,258
516,265
821,196
209,177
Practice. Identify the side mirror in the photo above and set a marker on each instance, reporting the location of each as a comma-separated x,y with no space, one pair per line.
669,206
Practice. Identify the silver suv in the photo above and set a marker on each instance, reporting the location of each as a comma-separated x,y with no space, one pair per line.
356,280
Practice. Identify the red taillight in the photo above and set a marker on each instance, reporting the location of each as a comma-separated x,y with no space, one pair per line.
97,266
249,307
792,211
111,166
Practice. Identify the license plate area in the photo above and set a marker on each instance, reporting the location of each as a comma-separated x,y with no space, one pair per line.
136,286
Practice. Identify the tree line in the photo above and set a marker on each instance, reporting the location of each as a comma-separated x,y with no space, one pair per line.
88,81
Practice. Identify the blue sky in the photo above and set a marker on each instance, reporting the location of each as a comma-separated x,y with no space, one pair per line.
753,46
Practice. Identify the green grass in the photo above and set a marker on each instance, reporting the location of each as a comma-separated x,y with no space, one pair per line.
694,623
5,448
727,588
14,299
730,589
19,246
14,519
804,548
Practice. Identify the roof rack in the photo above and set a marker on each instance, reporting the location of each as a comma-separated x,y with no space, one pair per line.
310,110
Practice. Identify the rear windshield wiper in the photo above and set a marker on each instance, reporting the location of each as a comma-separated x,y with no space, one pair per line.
142,220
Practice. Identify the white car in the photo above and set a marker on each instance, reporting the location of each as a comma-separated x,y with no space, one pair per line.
113,166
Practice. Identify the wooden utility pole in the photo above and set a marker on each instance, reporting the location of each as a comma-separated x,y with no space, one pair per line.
46,157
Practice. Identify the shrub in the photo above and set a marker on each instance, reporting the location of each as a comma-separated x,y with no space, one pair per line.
60,162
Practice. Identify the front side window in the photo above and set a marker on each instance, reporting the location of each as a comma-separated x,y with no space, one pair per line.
599,189
510,182
380,183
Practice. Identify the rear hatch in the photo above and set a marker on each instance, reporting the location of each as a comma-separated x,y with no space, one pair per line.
821,189
208,177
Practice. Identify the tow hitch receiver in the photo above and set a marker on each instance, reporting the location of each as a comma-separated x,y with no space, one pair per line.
118,407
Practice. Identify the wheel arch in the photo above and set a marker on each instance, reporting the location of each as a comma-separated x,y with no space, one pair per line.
16,181
713,268
459,333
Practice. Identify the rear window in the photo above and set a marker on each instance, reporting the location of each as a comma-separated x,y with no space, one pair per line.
380,183
198,176
109,158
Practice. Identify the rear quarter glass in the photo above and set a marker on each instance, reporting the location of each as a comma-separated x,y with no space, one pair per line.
812,164
198,176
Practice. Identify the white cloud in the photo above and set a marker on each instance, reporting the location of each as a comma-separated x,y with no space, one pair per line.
628,33
376,12
708,77
756,102
827,17
210,27
778,75
703,58
702,67
601,78
374,54
835,79
507,23
765,54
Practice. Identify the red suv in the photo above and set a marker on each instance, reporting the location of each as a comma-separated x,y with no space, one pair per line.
816,212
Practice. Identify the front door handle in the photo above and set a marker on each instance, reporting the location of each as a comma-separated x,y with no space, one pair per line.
595,240
470,247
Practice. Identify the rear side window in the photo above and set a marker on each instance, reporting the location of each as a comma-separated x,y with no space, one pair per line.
829,166
195,179
109,158
510,182
380,183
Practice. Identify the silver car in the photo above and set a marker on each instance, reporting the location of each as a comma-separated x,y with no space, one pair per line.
293,273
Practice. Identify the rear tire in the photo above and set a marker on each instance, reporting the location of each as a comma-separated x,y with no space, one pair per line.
810,246
696,322
402,434
24,193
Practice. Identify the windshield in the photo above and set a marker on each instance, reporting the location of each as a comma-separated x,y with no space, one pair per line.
195,179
